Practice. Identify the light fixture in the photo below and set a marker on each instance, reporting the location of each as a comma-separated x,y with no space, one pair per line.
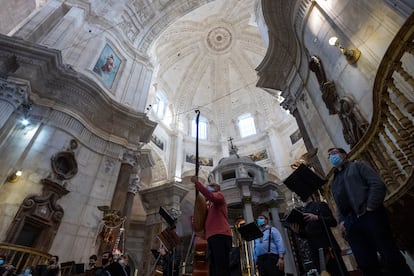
352,55
13,177
26,108
25,122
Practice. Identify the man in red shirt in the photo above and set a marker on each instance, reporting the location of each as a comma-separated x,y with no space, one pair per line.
217,228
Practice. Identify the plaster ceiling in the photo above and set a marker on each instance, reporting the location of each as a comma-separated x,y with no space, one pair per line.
206,60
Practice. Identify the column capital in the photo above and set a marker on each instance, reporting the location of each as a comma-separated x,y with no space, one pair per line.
13,92
134,183
169,195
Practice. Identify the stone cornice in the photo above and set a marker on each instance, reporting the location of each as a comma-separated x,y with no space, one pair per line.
278,15
154,197
58,86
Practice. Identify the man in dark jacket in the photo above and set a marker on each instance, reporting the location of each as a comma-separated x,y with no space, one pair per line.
315,222
316,230
359,194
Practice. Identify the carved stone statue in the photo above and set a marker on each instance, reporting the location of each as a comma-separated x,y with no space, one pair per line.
315,65
354,124
329,94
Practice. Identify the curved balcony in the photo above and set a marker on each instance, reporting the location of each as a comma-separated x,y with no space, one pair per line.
388,144
22,257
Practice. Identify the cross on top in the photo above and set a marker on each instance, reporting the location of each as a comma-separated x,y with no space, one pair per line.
231,142
233,148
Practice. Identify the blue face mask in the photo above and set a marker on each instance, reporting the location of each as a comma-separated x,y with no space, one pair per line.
335,160
27,272
211,188
1,262
260,221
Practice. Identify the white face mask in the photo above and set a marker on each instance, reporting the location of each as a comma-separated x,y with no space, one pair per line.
211,188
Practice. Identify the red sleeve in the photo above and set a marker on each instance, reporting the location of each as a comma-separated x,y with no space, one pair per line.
213,197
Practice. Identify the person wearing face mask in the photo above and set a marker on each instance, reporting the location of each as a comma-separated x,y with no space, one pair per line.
3,265
123,261
106,260
91,266
6,268
359,193
27,272
118,267
312,224
217,228
269,250
53,269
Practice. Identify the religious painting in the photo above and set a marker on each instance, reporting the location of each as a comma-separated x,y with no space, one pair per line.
107,66
157,141
261,155
296,136
203,161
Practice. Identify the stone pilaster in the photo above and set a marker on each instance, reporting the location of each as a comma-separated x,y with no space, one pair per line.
168,196
12,95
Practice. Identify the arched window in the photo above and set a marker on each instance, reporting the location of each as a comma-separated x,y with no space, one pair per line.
202,128
161,103
246,125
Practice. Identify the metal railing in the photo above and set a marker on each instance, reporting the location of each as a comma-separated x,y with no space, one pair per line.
22,257
388,144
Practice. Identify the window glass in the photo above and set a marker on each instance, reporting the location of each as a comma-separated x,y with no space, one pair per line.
246,125
202,128
160,105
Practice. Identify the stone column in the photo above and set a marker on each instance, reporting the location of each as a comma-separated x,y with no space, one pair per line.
289,261
168,196
139,161
38,24
224,147
244,185
280,154
63,32
12,95
133,188
177,154
123,198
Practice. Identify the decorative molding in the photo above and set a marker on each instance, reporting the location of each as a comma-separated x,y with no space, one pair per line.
59,87
13,92
64,165
73,126
278,15
8,65
148,23
172,192
42,212
129,158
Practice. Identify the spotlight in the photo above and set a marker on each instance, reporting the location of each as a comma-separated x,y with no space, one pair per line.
25,122
352,55
13,177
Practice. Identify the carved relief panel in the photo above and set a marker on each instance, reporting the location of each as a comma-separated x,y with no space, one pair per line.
39,216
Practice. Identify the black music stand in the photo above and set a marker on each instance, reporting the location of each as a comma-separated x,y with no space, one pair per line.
167,217
295,216
155,253
304,182
250,231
